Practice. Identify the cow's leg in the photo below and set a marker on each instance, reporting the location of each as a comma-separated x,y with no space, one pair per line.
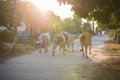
68,48
53,49
86,51
64,49
90,49
40,49
81,48
72,47
60,48
45,48
83,51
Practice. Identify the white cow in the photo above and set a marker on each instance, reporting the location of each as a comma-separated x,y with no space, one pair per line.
44,41
40,44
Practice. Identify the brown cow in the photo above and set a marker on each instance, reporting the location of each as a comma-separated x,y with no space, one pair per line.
59,40
86,41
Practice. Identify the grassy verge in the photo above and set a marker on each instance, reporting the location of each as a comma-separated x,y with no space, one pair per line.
109,55
22,48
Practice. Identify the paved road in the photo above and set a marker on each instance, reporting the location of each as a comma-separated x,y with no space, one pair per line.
37,66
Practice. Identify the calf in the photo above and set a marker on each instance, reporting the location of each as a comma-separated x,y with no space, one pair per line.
72,41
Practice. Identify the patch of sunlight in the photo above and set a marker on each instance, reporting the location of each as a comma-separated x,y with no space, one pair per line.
75,76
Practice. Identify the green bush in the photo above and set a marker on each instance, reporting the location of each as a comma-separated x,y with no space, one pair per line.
6,36
3,50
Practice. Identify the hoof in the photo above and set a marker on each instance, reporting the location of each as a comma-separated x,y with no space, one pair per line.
86,56
81,49
53,55
63,53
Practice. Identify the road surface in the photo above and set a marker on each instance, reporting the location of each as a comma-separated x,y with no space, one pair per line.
72,66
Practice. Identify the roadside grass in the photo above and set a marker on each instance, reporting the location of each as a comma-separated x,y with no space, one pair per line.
109,55
112,47
24,47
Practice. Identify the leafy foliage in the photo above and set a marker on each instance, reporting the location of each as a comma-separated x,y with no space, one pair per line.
86,27
71,25
101,10
6,13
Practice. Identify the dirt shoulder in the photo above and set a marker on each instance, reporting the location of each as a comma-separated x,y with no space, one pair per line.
22,49
106,64
108,55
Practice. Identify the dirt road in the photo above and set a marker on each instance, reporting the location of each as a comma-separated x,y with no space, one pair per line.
72,66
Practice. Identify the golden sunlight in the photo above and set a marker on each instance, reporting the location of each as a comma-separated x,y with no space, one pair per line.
64,11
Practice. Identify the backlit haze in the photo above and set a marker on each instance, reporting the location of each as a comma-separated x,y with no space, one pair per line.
64,11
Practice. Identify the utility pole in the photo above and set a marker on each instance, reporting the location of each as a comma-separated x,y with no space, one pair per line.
93,22
14,25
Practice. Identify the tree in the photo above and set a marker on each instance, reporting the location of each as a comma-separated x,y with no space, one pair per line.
101,10
86,27
6,13
55,23
71,25
24,11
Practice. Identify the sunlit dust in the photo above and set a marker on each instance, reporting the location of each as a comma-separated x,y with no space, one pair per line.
64,11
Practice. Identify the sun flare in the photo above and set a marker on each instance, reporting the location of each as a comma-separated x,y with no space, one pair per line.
64,11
